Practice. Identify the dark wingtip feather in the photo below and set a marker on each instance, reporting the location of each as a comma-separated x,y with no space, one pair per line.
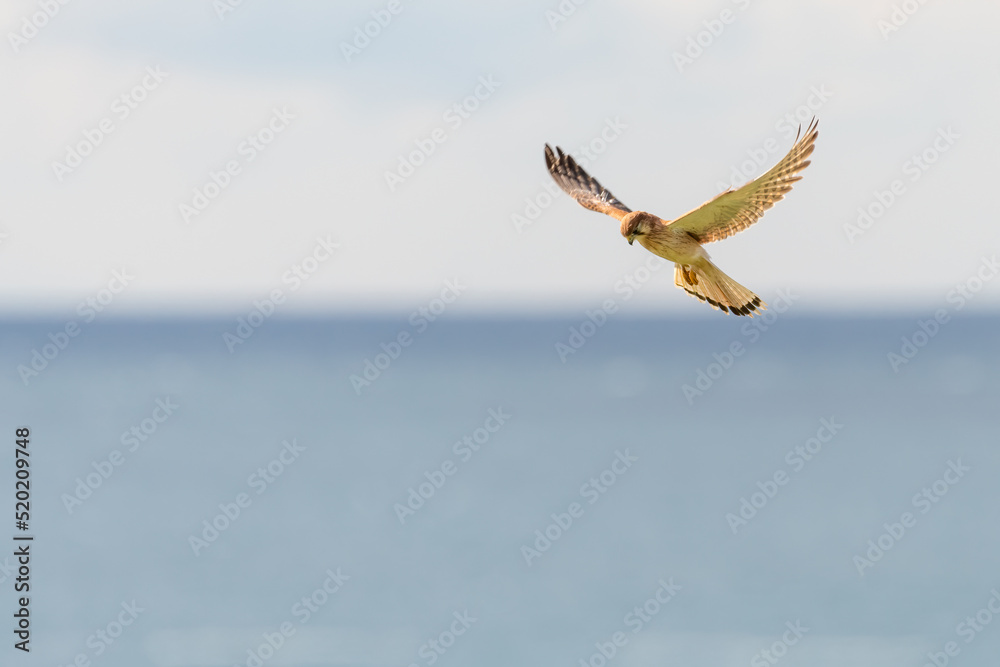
550,158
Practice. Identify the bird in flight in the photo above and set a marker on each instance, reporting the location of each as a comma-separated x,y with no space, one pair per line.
681,240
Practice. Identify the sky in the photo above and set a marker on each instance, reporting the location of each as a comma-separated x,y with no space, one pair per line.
203,158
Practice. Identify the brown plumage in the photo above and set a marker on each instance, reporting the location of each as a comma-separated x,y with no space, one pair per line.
681,240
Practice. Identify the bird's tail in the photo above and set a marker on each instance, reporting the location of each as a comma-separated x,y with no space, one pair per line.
707,282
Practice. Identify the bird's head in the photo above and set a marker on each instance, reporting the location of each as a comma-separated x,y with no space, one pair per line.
636,223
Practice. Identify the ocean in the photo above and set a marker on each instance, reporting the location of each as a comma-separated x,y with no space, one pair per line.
589,491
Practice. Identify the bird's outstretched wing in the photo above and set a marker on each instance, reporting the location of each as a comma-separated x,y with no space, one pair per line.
735,210
579,185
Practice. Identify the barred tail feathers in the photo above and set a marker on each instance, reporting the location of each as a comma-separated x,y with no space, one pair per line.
705,281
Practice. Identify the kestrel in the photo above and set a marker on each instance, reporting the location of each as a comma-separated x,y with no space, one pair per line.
680,240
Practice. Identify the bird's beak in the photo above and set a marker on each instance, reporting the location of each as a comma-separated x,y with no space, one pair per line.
630,239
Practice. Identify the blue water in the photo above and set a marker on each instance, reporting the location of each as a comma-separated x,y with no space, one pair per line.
450,582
